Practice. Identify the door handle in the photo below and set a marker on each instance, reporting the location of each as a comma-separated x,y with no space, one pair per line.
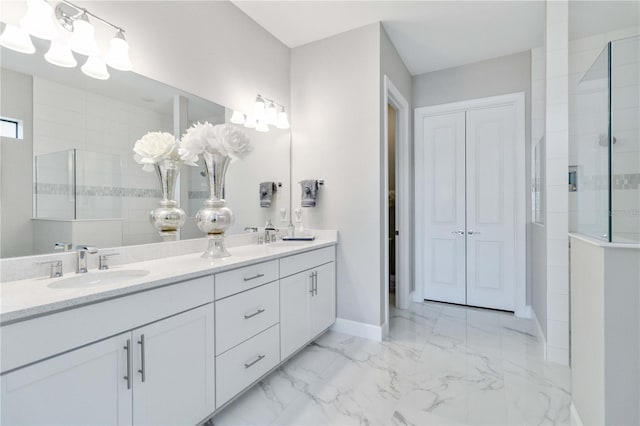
313,283
253,277
249,364
258,312
458,232
472,232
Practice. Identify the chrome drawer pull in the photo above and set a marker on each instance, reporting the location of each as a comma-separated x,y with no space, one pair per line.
142,370
128,376
258,312
260,357
254,277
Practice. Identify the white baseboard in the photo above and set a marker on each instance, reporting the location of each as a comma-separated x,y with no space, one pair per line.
360,329
575,417
541,335
524,312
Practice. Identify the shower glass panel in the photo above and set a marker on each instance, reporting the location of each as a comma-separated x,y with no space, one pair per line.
625,148
76,184
607,114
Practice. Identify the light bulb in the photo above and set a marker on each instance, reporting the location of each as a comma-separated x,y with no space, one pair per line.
16,38
83,40
39,20
237,117
250,122
272,114
262,126
118,55
95,67
258,109
60,54
283,121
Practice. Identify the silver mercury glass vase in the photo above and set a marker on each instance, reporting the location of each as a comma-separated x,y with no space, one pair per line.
168,218
215,217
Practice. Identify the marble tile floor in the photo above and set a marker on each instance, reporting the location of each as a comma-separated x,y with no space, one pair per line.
440,364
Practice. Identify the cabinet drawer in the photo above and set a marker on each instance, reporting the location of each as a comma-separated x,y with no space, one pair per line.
241,366
246,314
303,261
237,280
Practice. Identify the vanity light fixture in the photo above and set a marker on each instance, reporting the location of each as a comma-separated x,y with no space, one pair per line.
39,22
16,38
265,113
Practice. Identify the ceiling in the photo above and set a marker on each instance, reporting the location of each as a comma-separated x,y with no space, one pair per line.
434,35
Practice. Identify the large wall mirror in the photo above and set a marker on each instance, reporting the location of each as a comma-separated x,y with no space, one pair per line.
68,174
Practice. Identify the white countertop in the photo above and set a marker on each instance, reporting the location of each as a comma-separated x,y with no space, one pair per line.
604,244
24,299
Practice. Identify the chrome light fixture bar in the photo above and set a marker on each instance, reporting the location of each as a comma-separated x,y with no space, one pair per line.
265,112
39,22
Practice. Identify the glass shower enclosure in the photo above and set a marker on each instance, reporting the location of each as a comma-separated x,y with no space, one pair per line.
606,178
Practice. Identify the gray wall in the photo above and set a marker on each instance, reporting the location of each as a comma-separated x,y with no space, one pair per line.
497,76
539,274
336,124
16,159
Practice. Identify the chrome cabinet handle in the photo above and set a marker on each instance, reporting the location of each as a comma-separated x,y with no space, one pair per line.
458,232
313,289
259,358
142,358
315,282
258,312
127,348
254,277
472,232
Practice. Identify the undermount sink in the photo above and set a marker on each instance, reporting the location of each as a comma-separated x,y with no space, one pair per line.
98,278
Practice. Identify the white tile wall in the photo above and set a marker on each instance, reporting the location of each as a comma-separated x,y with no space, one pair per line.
557,160
67,117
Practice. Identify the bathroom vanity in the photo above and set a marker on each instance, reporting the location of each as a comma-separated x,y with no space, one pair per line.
170,346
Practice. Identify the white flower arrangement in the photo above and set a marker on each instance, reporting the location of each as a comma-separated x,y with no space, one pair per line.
223,139
154,147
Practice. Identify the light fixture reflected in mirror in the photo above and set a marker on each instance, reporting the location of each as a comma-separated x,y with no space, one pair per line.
262,125
16,38
237,117
250,122
265,112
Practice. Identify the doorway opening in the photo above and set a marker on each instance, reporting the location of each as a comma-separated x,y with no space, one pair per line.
392,126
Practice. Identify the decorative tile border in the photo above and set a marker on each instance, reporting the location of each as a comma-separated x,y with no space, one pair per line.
96,191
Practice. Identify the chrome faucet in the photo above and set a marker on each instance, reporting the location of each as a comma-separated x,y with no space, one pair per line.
83,252
270,237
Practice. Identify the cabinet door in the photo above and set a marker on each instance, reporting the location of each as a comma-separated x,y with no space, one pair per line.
295,292
323,300
86,386
174,369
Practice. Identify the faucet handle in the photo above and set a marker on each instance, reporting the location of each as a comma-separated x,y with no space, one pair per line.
56,268
251,228
89,249
103,260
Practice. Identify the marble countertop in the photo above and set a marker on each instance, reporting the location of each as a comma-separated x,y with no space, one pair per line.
24,299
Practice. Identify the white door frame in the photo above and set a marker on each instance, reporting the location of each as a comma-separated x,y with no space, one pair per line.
516,100
403,210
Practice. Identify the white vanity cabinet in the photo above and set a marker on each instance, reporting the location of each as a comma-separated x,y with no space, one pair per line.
158,373
82,387
307,298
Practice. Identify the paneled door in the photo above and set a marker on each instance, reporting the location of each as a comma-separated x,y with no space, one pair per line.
468,243
443,210
490,193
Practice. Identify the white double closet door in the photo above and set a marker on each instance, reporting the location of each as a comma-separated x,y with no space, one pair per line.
468,206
